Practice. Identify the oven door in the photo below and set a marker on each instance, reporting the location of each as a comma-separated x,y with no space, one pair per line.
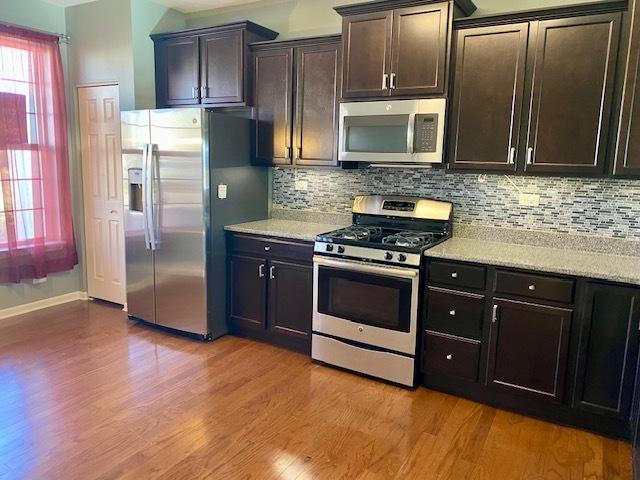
366,303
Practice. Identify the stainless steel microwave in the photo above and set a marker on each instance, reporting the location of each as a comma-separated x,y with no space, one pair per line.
393,132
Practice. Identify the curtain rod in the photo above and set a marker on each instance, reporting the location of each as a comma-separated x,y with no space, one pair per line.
64,38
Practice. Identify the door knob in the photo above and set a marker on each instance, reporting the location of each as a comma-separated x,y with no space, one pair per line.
452,313
449,357
113,212
361,329
532,287
454,275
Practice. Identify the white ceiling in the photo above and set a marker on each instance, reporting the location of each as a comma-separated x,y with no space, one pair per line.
185,6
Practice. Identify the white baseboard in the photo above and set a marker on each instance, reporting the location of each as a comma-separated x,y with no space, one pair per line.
47,302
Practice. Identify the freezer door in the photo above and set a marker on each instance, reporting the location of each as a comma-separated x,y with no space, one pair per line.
138,253
180,185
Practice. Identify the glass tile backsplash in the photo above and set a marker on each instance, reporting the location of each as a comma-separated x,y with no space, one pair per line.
603,207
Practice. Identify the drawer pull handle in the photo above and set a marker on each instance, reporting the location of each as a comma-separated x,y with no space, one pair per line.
494,314
261,271
454,274
452,313
532,287
449,357
361,329
267,248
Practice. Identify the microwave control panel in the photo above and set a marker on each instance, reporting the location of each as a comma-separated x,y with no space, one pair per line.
425,133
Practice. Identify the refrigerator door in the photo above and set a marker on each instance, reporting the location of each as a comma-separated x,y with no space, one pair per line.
181,184
139,256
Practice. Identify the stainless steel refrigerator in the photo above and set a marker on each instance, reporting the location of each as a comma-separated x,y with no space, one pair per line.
187,173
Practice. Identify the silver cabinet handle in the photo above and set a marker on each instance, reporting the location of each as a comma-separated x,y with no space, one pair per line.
530,156
494,316
194,93
452,313
449,357
204,92
393,81
532,287
267,248
261,271
454,274
385,81
272,270
512,155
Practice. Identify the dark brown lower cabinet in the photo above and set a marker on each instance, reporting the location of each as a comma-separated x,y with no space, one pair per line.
608,351
270,289
290,300
247,293
528,348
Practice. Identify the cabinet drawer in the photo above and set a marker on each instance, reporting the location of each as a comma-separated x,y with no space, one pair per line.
450,356
535,286
468,276
272,248
455,313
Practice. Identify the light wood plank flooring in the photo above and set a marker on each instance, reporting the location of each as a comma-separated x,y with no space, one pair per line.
86,394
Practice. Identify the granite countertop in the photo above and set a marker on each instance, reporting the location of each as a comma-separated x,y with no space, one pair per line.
603,266
280,228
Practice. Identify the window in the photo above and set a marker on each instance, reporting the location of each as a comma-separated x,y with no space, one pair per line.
36,230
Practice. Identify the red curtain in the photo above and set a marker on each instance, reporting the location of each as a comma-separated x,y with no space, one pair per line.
36,227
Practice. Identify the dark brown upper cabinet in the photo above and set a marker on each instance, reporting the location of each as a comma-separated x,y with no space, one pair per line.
528,346
273,98
608,350
222,65
573,68
397,48
488,90
206,66
627,152
296,91
177,80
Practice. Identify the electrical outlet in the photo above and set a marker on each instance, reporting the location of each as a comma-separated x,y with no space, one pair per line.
529,199
302,185
222,192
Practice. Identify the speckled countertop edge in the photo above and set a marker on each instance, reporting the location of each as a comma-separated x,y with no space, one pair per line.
291,229
600,266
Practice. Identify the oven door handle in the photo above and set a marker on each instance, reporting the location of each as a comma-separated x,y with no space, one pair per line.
366,268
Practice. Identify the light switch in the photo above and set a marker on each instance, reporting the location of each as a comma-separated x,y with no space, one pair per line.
302,185
222,192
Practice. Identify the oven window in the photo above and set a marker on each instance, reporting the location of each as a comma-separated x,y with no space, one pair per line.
376,134
365,298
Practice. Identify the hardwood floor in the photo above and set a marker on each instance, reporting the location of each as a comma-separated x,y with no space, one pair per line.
86,394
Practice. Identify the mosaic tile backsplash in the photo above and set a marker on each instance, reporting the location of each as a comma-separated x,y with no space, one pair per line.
602,207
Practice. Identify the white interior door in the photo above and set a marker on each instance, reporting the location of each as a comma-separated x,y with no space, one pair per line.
102,186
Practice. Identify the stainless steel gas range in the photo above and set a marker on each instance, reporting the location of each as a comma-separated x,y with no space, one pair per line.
367,282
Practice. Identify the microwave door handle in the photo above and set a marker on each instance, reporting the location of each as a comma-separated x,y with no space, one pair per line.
411,133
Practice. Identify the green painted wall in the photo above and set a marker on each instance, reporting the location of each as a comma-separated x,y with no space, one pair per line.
44,16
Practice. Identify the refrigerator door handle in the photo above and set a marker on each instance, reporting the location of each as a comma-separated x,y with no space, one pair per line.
145,203
150,180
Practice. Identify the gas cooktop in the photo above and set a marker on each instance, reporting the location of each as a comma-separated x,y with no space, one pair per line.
389,229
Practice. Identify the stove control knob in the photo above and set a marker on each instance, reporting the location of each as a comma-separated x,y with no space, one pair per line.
402,257
329,248
340,249
388,256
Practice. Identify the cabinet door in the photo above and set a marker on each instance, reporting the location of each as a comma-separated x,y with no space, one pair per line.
317,95
528,349
573,77
608,350
222,64
291,302
273,96
419,50
488,88
177,72
367,54
627,161
247,291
